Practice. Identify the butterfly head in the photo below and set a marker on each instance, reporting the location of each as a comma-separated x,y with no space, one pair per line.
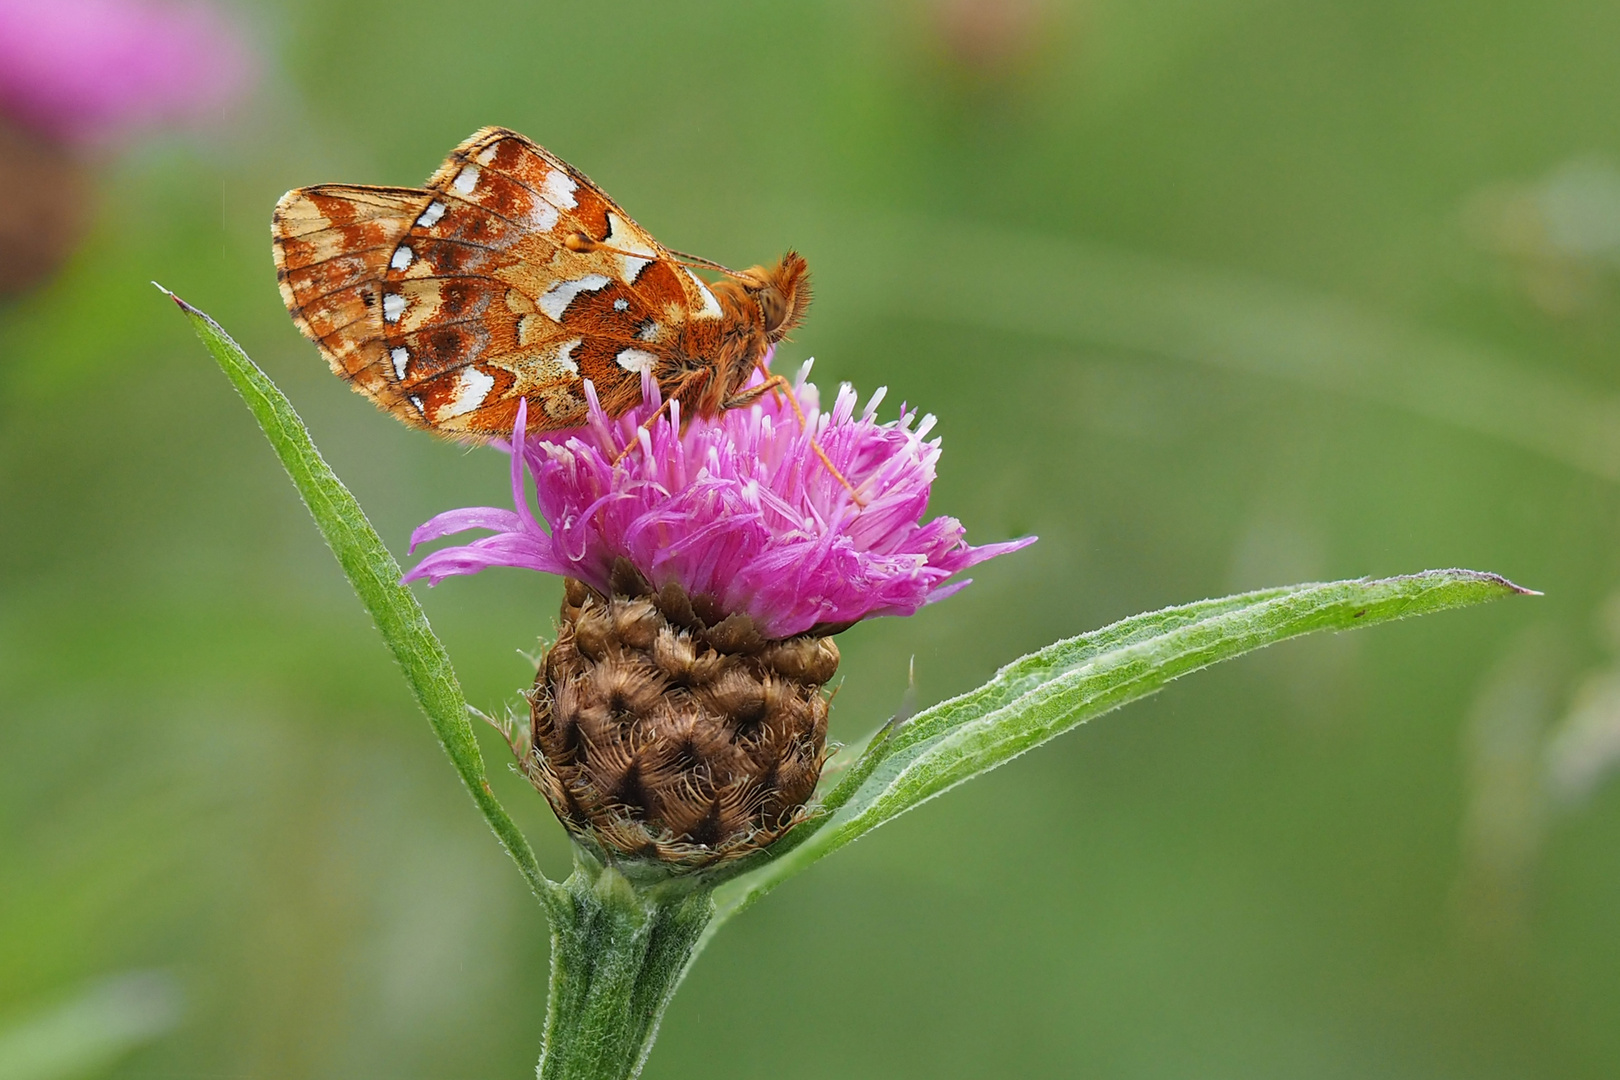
782,292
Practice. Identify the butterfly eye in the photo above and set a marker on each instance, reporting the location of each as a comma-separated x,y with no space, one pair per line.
784,296
775,308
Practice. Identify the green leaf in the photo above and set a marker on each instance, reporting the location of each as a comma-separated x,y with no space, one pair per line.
375,575
1063,685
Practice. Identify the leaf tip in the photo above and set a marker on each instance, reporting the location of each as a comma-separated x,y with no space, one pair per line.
181,304
1460,576
1502,582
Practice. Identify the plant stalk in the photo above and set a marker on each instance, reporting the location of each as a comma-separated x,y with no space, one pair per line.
617,954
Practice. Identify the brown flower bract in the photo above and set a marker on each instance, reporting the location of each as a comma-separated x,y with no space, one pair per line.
664,731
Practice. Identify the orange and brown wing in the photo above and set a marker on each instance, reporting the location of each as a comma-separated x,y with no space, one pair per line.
446,305
332,247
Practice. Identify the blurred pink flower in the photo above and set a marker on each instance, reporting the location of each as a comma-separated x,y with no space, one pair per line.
87,71
737,508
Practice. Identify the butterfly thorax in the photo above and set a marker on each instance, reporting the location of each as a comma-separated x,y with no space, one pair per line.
760,306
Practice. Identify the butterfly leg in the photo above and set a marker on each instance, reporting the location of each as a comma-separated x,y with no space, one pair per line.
771,385
698,376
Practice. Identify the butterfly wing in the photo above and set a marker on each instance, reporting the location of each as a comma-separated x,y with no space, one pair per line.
448,304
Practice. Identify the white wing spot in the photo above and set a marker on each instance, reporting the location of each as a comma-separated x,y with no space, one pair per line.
711,306
401,356
556,299
621,304
466,180
619,236
487,154
414,400
542,216
430,216
636,360
648,331
393,306
566,362
622,237
559,188
402,257
472,387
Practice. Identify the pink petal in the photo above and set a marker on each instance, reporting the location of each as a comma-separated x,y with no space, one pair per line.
736,506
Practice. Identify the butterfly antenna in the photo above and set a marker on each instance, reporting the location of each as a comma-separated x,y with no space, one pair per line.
580,242
707,264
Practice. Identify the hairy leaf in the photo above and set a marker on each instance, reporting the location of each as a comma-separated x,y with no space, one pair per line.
1063,685
375,575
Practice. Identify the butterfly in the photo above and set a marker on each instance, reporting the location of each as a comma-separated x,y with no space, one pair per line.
511,276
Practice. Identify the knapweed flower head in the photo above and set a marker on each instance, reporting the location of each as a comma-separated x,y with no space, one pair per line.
90,70
679,719
737,508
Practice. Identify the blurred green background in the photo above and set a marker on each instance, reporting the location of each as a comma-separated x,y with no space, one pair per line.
1209,294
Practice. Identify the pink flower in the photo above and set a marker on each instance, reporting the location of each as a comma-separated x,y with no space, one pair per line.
89,70
738,508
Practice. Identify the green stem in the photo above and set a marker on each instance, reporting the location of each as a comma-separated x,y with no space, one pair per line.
617,954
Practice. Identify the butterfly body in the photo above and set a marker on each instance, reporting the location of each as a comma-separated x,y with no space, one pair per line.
511,276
